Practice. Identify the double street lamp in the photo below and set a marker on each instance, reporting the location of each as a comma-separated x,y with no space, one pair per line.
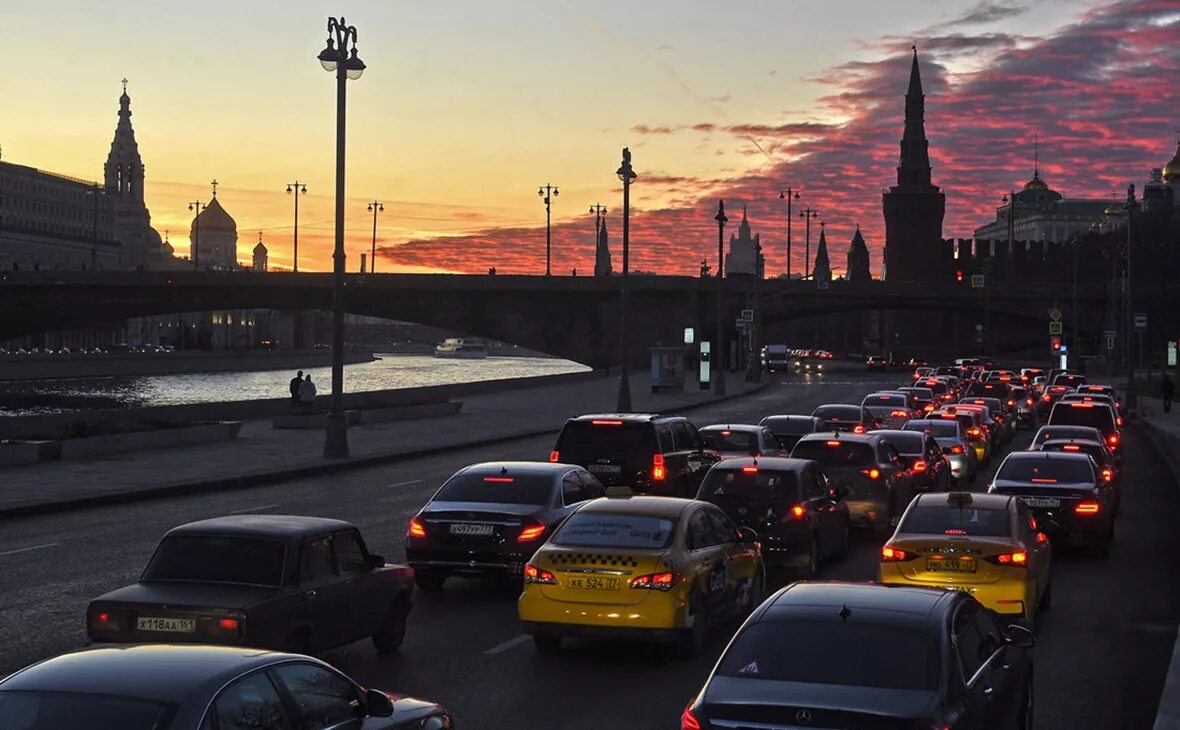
340,57
196,207
627,176
808,214
296,188
375,207
788,195
547,192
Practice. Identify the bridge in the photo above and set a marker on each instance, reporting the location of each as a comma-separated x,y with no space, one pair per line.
570,317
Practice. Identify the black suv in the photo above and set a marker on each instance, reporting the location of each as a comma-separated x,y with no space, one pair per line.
650,453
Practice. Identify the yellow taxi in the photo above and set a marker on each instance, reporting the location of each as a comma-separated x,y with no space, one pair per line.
987,545
974,430
648,568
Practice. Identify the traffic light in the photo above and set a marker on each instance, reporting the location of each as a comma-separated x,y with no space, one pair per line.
959,276
1055,344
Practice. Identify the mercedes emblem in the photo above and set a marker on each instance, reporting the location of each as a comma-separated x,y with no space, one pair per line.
803,717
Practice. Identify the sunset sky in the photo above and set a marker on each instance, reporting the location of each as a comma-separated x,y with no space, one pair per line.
468,105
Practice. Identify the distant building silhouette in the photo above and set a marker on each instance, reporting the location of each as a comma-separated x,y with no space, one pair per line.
602,265
1042,214
744,251
822,271
858,260
216,239
260,255
123,175
913,208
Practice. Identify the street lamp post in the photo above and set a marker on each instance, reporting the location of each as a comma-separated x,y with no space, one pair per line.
339,57
599,211
297,188
196,206
807,214
375,207
1131,205
718,375
94,230
627,175
788,195
547,192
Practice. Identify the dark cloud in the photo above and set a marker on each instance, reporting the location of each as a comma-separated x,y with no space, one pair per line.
985,11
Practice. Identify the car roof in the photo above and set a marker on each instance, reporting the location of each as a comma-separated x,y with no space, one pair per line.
900,433
768,463
164,673
850,406
748,427
1025,455
790,417
826,599
853,438
276,526
978,499
1078,441
667,507
518,467
625,417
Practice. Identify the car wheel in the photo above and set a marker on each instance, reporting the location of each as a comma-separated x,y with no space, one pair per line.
298,641
547,644
389,637
691,641
429,581
1025,720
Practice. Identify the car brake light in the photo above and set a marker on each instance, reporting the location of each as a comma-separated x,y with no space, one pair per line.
871,473
658,472
928,407
1113,440
533,574
858,429
530,531
920,465
1042,537
1082,405
956,450
1028,401
1017,558
796,512
417,529
1071,447
554,456
973,431
1044,480
688,721
750,469
898,414
954,531
1012,402
1086,508
1118,420
1047,398
655,581
1107,474
499,480
103,618
611,422
229,624
832,443
893,555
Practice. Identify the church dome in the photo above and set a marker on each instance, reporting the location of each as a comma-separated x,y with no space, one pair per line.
1172,169
1036,183
259,248
214,218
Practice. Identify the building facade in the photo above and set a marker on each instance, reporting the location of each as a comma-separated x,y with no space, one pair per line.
745,252
1040,214
215,236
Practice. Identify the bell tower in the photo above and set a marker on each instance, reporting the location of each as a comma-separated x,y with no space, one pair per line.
123,172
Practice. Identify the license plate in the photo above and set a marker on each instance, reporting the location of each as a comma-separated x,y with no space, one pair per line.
1041,501
169,625
605,468
467,528
592,583
953,565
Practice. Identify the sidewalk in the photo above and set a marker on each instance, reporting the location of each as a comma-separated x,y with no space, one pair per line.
263,455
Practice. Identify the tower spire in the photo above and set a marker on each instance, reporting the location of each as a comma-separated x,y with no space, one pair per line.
1036,156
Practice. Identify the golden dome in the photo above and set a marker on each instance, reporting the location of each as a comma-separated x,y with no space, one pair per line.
1172,169
1036,183
1114,209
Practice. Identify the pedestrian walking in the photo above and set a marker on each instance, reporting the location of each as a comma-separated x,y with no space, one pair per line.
296,382
307,392
1167,389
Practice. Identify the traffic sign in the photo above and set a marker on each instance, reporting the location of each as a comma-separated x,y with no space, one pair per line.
1141,322
977,281
1055,315
1171,354
748,315
1055,328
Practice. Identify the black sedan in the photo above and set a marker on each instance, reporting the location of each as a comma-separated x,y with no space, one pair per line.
272,581
843,655
844,417
740,439
799,518
789,429
488,519
152,687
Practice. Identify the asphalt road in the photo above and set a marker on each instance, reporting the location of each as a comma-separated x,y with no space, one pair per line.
1102,654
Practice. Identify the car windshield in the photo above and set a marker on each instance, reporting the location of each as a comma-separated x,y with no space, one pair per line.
750,483
218,559
942,519
589,529
1097,415
937,429
1046,470
582,442
724,440
839,413
830,652
834,452
502,488
789,426
45,710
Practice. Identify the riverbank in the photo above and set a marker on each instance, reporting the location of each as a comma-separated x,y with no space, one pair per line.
38,366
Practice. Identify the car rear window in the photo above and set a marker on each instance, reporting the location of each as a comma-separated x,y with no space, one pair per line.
582,442
993,390
588,529
1083,414
789,426
751,483
1071,380
742,441
1046,470
830,652
937,387
503,488
910,444
45,710
218,559
937,429
940,520
1046,433
834,453
851,414
884,400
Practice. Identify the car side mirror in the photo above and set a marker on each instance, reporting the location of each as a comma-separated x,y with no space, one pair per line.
747,536
376,561
1020,636
378,704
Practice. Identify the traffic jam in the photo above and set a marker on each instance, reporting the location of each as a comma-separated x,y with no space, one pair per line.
647,530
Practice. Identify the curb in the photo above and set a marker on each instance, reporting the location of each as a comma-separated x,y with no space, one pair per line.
256,480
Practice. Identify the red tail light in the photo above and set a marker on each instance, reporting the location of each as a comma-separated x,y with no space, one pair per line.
658,472
611,422
655,581
1107,474
956,450
554,456
928,407
1017,559
1118,420
1028,401
895,555
974,431
229,624
750,469
858,428
1113,440
1043,480
533,574
1042,537
1086,508
1047,398
417,529
898,414
688,721
871,473
920,465
795,513
1071,447
1012,402
530,531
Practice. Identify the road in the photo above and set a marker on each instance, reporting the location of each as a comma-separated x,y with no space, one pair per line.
1102,654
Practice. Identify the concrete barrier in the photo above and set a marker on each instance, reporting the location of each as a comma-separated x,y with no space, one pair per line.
13,454
318,419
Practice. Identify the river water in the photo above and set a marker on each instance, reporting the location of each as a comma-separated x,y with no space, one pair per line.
137,391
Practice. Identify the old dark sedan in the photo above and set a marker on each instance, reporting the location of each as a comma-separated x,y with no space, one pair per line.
167,687
272,581
789,429
842,655
844,417
488,519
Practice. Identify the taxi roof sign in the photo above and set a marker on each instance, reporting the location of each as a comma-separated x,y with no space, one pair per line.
959,499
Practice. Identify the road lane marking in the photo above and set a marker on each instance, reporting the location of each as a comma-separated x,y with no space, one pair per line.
253,509
27,549
511,643
405,484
